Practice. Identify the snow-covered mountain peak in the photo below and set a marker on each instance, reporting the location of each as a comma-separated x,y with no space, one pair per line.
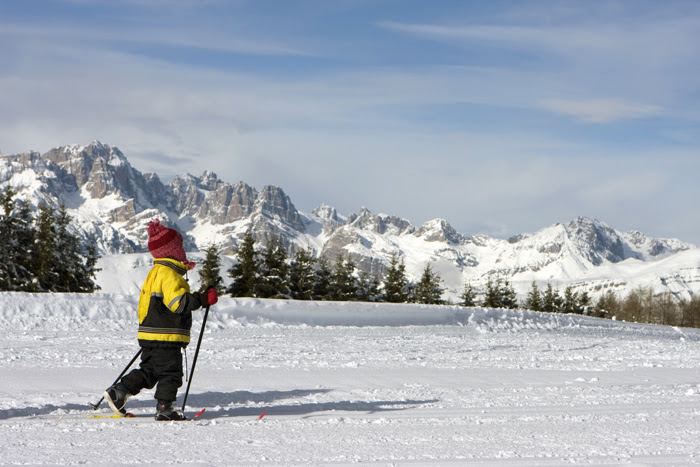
647,248
326,212
97,169
439,230
273,202
209,181
87,154
366,220
596,241
382,224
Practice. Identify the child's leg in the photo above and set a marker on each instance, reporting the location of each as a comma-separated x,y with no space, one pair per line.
144,377
169,371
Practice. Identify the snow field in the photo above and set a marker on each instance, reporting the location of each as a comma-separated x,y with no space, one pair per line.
353,383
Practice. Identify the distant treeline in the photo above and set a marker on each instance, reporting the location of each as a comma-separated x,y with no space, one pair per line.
640,305
268,273
41,253
643,305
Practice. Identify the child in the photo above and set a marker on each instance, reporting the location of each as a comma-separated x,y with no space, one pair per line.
165,319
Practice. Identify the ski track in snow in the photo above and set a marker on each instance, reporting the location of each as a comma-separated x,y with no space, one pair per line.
346,383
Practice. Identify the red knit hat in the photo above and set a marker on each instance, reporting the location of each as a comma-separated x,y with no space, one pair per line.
164,242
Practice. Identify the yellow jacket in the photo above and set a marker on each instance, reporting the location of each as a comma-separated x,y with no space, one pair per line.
165,306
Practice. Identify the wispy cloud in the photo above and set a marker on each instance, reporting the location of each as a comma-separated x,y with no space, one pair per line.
614,66
109,38
601,110
640,37
514,36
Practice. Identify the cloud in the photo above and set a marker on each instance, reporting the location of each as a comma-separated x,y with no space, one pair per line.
96,38
639,35
600,110
466,127
520,37
645,57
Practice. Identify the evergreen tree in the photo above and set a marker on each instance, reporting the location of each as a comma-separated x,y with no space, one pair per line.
60,261
91,257
468,295
301,275
395,282
67,267
74,268
551,301
534,299
7,249
48,257
500,294
210,274
45,248
492,297
509,298
245,272
273,270
24,236
343,281
368,287
16,244
570,301
428,290
322,282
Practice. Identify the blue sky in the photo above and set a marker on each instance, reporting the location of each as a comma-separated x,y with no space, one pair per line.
502,117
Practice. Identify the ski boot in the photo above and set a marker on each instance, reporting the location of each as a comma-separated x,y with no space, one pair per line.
166,412
117,396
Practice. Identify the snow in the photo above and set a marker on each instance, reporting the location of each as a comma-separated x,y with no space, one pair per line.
27,181
346,383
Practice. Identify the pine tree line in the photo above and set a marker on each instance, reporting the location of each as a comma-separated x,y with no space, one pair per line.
552,301
267,273
500,293
42,254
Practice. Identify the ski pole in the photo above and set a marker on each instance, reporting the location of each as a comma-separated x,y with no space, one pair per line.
196,353
96,406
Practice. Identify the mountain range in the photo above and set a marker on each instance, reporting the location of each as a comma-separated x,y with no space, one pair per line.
112,201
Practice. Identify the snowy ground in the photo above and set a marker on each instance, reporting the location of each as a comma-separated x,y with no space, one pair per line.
352,383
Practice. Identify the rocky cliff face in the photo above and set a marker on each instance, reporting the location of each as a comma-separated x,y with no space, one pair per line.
596,241
100,170
112,201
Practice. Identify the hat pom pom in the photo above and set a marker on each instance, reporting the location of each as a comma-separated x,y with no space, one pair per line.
154,227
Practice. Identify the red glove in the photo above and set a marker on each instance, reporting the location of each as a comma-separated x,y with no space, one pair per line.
209,297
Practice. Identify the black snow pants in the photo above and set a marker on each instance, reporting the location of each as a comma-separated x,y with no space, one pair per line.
159,365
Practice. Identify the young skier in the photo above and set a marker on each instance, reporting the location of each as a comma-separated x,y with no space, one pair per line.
165,317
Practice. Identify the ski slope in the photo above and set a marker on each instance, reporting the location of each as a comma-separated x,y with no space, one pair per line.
347,383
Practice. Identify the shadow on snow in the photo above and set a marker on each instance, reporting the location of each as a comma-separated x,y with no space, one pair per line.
217,402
